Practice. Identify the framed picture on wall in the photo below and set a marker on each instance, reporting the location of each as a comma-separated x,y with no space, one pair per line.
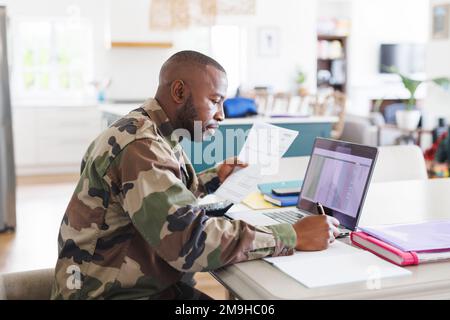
269,41
440,21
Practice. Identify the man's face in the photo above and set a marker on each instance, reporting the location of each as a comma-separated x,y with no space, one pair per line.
203,109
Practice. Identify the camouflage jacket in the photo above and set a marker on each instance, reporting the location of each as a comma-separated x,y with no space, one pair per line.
132,228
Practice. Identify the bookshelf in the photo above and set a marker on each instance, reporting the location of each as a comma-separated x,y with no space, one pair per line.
332,62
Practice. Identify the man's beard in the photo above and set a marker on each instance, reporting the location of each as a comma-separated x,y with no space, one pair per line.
186,117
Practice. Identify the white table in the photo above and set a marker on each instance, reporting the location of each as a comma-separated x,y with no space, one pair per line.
390,202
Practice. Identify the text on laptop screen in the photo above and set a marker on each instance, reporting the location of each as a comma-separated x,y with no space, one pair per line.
336,180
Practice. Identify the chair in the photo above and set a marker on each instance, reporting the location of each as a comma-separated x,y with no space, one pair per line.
395,163
262,100
359,129
27,285
261,96
281,102
303,105
339,103
333,104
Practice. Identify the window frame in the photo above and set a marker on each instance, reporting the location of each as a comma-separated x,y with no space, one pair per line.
55,92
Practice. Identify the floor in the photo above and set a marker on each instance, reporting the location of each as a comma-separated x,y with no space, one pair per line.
41,202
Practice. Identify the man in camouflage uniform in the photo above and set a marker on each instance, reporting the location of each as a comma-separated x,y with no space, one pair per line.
132,229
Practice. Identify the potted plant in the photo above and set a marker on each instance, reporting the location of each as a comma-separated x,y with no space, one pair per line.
300,80
409,118
101,86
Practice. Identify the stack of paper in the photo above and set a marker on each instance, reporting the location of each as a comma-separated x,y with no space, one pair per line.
424,236
255,201
339,264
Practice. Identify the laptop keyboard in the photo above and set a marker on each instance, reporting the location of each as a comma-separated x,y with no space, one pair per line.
292,216
288,216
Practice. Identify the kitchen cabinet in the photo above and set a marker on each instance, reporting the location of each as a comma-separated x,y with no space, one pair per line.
53,139
24,128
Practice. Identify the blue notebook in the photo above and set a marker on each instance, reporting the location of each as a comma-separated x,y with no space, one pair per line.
281,201
266,188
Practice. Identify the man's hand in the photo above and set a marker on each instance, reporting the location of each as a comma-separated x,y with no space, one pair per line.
315,233
227,167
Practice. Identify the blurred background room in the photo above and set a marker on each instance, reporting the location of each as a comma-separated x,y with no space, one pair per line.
364,71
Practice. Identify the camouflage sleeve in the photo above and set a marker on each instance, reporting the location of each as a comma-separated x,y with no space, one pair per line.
208,180
163,211
85,157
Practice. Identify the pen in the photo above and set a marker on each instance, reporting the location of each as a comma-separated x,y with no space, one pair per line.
319,206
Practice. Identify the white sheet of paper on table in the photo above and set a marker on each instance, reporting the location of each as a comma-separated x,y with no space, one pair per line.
339,264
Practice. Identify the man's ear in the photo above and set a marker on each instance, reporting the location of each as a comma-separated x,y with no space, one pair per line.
179,91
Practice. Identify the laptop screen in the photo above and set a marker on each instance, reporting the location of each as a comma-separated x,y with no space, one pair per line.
338,175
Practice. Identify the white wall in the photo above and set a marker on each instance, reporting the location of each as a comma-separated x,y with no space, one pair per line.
295,19
374,23
437,102
335,9
134,72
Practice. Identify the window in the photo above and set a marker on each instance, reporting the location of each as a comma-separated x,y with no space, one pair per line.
226,47
52,58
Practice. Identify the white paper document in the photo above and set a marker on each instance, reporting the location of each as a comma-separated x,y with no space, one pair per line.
266,143
238,185
264,147
339,264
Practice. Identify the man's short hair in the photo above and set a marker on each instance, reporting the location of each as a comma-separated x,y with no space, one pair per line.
189,56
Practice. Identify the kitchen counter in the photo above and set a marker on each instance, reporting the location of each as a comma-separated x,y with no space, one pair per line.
308,127
120,110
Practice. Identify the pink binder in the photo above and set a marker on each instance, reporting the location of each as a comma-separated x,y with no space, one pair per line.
384,250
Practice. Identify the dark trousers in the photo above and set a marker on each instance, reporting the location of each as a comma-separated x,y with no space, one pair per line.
182,291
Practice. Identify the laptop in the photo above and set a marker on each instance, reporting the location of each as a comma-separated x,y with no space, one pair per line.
338,176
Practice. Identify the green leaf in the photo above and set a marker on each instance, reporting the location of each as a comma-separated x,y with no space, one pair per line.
301,77
443,82
410,84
